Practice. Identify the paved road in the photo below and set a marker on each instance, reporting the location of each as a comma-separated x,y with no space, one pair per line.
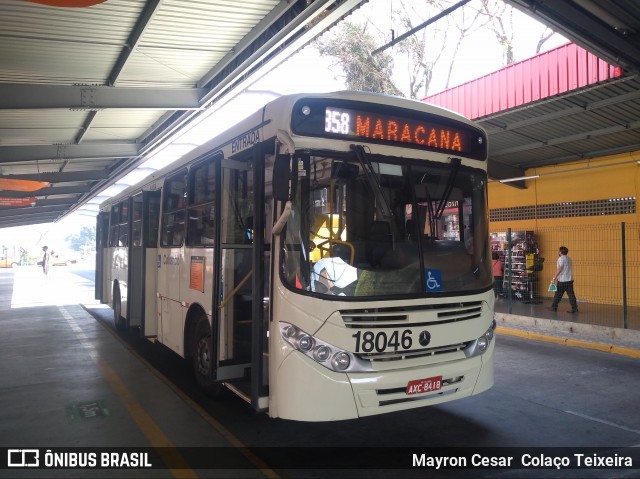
545,395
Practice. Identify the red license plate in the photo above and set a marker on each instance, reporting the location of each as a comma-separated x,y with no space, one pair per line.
420,386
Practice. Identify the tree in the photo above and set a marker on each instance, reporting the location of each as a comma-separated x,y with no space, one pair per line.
86,237
544,36
426,48
500,21
429,53
351,45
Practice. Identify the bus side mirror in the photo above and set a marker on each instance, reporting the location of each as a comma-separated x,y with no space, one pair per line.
281,181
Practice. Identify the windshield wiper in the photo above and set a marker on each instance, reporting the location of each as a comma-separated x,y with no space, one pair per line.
455,166
436,214
373,179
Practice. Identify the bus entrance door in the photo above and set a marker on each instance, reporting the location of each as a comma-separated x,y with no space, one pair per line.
102,240
143,263
241,284
235,273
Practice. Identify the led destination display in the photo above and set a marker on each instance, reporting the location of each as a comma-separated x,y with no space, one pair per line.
394,126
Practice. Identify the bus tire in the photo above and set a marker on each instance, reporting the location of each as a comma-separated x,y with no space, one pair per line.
202,358
118,320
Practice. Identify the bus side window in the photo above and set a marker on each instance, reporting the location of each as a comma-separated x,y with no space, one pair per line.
201,211
173,213
113,228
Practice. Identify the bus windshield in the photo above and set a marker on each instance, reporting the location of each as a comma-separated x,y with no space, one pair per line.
369,225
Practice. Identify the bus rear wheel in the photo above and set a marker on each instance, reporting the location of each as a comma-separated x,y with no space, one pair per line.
118,320
203,358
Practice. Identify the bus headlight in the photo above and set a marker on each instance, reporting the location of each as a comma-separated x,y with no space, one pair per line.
290,331
489,334
305,343
341,361
480,345
322,352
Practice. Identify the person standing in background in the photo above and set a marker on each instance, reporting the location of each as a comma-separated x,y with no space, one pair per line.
564,280
46,260
498,273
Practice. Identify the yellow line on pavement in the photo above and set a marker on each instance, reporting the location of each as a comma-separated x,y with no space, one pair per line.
228,435
149,428
579,343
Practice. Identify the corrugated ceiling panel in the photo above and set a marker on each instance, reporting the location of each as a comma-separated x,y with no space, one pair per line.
47,44
41,118
39,127
125,134
110,125
36,61
204,25
185,39
53,166
171,68
125,118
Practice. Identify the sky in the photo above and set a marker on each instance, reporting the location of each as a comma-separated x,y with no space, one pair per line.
307,71
479,54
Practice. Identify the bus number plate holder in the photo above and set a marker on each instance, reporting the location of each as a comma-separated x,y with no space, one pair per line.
419,386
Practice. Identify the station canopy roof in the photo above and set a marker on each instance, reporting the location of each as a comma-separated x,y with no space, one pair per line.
87,94
584,118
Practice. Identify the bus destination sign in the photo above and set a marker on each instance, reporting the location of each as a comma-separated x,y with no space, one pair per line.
393,126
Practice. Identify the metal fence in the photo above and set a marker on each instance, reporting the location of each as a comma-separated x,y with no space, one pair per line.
606,269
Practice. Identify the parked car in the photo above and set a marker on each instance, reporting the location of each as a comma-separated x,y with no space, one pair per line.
60,259
8,262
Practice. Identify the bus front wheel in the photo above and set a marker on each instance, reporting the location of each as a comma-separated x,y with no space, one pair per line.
203,358
118,320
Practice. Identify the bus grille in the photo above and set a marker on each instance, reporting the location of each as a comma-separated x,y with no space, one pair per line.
414,354
421,315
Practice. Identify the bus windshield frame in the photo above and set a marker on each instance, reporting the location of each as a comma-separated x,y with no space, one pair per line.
379,227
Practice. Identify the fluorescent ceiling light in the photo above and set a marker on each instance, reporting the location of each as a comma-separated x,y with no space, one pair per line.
519,178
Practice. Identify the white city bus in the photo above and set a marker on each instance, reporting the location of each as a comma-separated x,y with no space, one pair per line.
326,258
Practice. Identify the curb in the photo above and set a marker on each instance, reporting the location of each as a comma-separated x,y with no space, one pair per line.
578,343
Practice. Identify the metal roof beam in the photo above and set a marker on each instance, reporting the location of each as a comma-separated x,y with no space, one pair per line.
96,150
586,135
31,210
490,126
95,97
50,191
557,160
62,177
27,219
55,201
141,25
10,223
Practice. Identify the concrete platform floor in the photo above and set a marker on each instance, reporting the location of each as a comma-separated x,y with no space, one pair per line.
66,381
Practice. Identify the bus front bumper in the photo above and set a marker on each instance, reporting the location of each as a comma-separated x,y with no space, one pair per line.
307,391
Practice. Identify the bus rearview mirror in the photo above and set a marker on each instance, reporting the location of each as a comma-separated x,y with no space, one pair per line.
281,177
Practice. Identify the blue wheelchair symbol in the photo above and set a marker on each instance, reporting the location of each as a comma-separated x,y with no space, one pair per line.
433,279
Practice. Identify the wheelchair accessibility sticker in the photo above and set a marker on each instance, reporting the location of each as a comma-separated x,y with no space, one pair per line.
433,279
